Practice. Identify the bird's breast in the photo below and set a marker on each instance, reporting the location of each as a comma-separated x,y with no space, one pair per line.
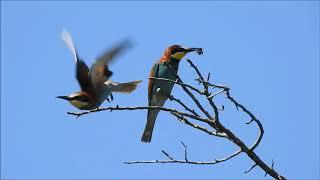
80,104
166,72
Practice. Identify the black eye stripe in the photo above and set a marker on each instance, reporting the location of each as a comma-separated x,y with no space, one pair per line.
80,98
177,50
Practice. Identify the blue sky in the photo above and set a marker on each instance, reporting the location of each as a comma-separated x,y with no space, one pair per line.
267,52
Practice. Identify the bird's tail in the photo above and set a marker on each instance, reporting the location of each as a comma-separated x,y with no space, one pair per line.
151,119
123,87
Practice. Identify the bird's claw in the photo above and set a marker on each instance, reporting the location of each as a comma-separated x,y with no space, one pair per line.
111,98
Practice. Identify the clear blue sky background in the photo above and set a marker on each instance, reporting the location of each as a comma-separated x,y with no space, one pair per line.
267,52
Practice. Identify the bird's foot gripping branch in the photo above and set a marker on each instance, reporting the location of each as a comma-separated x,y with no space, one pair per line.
208,91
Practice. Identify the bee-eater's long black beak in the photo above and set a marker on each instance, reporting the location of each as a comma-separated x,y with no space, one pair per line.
198,50
64,97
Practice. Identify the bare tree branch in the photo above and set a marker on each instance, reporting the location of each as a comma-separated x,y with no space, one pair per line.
186,160
230,134
185,121
183,105
139,108
213,121
181,114
191,95
179,83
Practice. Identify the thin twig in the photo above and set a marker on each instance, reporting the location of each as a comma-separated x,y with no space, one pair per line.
251,168
215,94
253,118
226,89
167,155
172,98
196,126
232,137
206,91
271,168
185,151
192,97
117,108
185,161
177,82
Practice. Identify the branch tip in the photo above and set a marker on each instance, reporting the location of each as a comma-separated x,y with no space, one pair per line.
208,78
167,155
251,168
249,122
184,145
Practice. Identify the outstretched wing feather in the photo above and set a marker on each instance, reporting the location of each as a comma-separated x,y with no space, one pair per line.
82,70
82,75
99,72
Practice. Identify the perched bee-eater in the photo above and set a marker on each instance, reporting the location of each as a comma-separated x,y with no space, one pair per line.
159,91
95,84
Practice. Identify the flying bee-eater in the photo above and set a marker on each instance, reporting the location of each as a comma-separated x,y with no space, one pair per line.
158,90
94,83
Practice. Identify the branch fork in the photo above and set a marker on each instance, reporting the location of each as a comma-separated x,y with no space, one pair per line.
216,127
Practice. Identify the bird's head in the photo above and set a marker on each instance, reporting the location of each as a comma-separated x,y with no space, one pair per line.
178,52
80,100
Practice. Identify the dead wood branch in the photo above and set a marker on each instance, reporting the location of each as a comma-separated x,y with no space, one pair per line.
213,120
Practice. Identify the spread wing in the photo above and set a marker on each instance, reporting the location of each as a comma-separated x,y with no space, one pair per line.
82,70
151,83
99,72
82,75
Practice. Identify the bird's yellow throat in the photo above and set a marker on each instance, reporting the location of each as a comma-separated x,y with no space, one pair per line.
78,104
179,55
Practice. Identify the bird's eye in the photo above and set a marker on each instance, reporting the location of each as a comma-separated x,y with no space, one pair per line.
174,51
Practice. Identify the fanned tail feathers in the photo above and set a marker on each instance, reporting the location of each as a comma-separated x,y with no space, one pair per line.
122,87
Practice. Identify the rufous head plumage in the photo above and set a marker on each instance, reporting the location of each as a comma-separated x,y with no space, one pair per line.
178,52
